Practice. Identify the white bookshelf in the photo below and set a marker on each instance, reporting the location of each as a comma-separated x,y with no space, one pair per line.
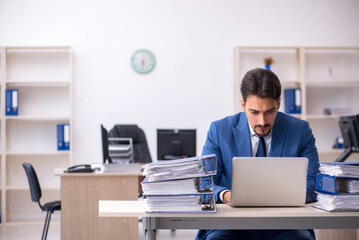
327,76
43,77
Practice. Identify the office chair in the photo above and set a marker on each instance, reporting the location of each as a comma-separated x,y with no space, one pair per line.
35,191
140,147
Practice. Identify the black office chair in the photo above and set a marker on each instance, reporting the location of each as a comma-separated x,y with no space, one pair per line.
140,147
35,191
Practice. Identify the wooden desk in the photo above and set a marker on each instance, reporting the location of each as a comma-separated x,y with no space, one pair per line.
80,193
232,218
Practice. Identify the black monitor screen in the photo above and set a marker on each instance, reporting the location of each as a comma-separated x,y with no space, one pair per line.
104,136
176,143
349,126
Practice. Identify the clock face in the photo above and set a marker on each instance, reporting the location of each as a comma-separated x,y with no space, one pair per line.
143,61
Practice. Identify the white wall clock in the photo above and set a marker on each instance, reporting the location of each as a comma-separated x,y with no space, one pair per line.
143,61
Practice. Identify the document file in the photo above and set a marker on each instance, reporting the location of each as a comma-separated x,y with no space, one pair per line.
183,185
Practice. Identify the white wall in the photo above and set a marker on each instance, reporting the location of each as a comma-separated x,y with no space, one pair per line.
192,40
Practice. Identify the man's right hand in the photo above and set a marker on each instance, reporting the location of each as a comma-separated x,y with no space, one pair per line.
227,197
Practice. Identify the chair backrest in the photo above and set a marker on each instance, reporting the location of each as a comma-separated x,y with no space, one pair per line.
140,147
34,184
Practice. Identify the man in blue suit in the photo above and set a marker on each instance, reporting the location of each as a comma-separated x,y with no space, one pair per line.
260,130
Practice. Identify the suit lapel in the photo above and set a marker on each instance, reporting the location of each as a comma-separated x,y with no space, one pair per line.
242,138
278,136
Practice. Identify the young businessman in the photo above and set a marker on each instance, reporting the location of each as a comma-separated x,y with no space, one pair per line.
260,130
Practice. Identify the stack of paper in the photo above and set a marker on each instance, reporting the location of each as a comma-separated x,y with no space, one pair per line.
339,168
180,203
178,186
331,202
184,185
337,186
180,168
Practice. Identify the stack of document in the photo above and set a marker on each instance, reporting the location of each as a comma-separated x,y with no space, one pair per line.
331,203
340,168
181,168
183,185
178,186
337,186
180,203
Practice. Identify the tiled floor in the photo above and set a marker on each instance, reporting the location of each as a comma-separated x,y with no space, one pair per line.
34,231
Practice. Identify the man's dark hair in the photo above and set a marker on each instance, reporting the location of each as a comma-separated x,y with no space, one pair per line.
262,83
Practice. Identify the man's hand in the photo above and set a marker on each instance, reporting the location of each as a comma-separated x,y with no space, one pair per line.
227,197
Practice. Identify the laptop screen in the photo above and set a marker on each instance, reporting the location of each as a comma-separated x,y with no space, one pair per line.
269,181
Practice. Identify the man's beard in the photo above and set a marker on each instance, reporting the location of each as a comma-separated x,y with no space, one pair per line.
259,126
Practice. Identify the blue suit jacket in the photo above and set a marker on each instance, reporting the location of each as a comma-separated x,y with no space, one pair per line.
229,137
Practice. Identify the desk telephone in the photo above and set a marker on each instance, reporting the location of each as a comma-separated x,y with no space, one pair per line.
80,168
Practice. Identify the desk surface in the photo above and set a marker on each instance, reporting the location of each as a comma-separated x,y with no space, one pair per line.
227,217
122,170
136,209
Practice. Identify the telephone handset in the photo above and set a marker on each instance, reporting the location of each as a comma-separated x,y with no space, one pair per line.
80,168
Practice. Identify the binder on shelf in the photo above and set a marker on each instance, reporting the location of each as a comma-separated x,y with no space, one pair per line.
12,102
293,100
344,184
339,168
66,136
63,137
181,168
60,137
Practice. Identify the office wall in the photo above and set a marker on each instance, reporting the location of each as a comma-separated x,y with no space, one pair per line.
192,40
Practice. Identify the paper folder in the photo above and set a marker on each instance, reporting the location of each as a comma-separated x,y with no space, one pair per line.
187,203
337,184
178,186
181,168
339,168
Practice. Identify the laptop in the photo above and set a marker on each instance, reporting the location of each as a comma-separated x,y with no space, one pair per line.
269,181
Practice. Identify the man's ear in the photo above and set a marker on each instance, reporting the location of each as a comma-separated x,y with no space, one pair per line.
278,102
243,105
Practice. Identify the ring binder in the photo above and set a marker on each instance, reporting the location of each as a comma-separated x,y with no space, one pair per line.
337,186
182,185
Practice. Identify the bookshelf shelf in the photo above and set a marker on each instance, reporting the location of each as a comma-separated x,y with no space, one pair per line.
37,118
332,83
322,116
26,188
58,153
43,77
327,76
38,84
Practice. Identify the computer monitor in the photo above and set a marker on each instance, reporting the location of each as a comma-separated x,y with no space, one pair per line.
176,143
349,127
105,152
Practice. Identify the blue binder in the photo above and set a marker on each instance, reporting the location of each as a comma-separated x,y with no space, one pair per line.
293,100
12,102
66,136
335,184
60,137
